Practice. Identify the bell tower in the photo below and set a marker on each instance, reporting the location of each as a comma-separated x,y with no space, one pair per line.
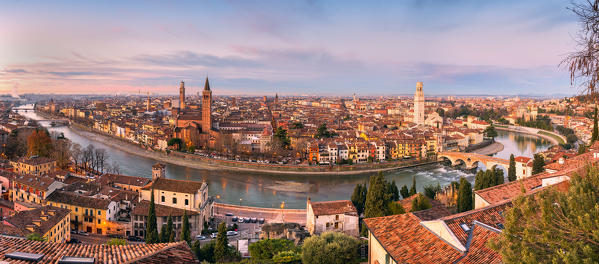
206,107
182,96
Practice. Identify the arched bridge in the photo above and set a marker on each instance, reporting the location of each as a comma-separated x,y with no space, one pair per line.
471,160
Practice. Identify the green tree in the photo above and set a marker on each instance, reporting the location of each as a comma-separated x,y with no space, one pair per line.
266,249
582,149
538,164
221,248
595,134
177,142
391,189
185,232
281,136
169,227
419,203
164,234
287,257
151,226
553,226
375,198
396,208
413,188
511,171
405,193
499,177
358,197
205,253
36,237
464,202
490,132
431,191
330,247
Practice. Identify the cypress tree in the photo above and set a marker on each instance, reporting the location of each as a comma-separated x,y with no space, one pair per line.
538,164
358,198
164,234
464,202
479,180
185,232
169,227
375,205
221,249
595,134
511,171
499,177
413,188
151,226
405,193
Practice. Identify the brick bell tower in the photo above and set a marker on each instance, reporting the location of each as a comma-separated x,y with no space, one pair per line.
206,107
182,96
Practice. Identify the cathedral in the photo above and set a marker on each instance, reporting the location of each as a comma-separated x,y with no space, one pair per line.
194,126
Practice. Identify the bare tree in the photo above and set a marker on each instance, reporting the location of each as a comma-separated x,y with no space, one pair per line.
77,155
100,159
116,168
62,152
89,157
583,64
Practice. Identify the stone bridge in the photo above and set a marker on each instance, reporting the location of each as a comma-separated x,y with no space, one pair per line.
471,160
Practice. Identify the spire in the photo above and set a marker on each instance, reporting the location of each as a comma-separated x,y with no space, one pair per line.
207,85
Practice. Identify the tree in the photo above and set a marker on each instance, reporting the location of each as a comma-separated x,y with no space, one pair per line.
100,158
553,226
62,152
169,228
185,232
177,142
76,154
151,227
375,204
464,202
595,134
330,247
396,208
205,253
490,132
405,193
358,197
164,234
511,171
431,191
287,257
221,248
391,189
538,164
413,188
266,249
39,143
323,132
419,203
36,237
499,177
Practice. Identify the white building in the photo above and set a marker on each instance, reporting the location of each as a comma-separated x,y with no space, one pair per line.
339,216
419,105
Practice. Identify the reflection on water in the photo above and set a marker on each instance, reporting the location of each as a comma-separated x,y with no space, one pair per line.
270,190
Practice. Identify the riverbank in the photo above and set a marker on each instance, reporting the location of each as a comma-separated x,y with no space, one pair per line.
198,162
491,149
554,138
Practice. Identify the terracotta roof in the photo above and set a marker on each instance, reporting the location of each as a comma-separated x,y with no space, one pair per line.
407,241
522,159
35,160
77,200
175,185
177,252
333,207
36,181
490,215
478,252
437,209
161,210
123,179
507,191
22,219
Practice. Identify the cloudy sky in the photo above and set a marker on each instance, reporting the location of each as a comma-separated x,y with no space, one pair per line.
286,47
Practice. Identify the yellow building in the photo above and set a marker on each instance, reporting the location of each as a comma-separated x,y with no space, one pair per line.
50,222
34,165
32,188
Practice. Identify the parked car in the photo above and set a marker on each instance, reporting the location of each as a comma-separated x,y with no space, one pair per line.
74,241
214,235
73,231
254,219
83,233
200,237
115,236
261,220
135,239
246,219
228,214
234,219
232,233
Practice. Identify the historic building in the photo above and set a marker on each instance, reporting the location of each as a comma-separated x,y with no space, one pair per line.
419,105
192,126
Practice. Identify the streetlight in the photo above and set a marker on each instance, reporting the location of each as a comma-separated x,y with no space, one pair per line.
282,211
240,199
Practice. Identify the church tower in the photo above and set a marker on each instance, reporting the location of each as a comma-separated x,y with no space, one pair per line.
206,107
182,96
419,105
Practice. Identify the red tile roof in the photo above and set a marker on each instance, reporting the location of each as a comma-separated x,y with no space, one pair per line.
334,207
478,252
177,252
407,241
171,185
507,191
490,215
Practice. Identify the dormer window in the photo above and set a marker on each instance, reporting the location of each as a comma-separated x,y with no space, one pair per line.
465,227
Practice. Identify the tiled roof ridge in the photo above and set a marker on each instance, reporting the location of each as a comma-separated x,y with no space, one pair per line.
453,216
536,176
169,246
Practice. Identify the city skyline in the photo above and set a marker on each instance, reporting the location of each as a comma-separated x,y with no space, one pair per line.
291,48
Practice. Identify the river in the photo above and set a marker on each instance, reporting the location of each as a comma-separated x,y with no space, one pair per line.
265,190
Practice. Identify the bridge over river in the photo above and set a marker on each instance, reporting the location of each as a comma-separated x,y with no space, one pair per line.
471,160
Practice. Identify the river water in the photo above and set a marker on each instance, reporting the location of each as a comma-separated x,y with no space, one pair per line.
264,190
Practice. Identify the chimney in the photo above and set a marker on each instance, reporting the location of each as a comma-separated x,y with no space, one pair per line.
38,222
561,161
30,228
52,212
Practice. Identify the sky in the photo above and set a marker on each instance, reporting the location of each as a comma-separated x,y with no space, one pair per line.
461,47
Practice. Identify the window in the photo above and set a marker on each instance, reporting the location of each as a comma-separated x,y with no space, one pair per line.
76,209
336,225
186,201
175,200
100,212
162,198
336,217
99,231
465,227
99,221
